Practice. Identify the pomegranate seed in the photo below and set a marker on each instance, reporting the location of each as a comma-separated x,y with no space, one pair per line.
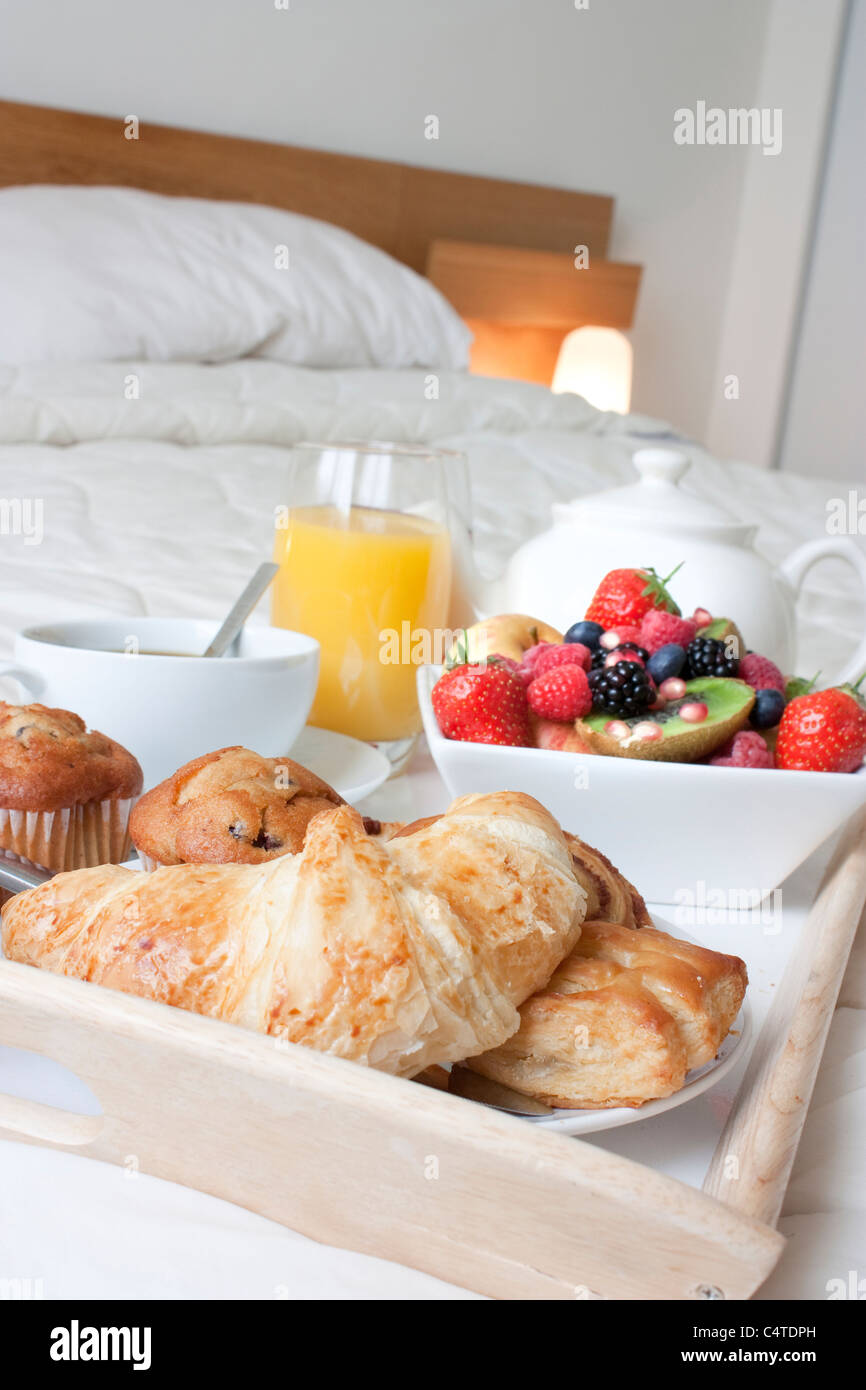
702,616
617,728
672,689
648,730
694,713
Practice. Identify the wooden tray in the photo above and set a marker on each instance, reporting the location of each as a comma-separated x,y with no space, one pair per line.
366,1161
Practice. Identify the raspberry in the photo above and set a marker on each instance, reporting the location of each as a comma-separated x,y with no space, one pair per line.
745,749
659,628
560,694
569,654
761,673
531,655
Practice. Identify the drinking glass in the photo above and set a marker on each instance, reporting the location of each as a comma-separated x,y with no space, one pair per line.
363,538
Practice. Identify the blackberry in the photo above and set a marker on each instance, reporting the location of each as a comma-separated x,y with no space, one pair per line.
600,655
624,689
632,647
707,656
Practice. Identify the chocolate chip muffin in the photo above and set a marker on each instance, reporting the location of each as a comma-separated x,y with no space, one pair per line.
229,807
65,791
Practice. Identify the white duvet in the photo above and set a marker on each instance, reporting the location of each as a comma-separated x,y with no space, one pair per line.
142,488
155,484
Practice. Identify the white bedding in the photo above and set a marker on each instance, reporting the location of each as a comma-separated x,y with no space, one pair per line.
158,504
163,504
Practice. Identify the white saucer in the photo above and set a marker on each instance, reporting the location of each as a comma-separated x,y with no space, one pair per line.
352,768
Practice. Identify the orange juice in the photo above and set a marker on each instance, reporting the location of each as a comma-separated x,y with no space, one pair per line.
349,580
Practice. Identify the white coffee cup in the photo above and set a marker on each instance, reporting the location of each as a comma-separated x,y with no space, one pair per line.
118,676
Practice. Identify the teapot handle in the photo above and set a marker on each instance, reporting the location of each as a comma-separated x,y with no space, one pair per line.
797,566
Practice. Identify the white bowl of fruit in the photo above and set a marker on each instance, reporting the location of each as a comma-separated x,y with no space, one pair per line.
658,735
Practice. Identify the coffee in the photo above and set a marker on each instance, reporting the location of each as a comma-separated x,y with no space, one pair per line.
125,651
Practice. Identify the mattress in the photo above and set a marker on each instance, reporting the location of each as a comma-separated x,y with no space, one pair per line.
149,489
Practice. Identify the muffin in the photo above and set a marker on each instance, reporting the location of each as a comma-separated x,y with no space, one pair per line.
65,792
229,807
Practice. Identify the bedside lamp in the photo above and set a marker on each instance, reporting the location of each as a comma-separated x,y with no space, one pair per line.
596,363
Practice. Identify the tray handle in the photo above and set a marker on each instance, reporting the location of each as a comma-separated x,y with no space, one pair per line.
755,1154
46,1124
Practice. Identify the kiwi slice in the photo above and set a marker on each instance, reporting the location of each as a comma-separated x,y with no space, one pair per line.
728,701
722,629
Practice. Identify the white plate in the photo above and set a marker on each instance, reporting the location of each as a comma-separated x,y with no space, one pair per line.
697,1081
352,768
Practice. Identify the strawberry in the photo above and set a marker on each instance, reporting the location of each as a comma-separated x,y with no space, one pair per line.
659,628
624,596
482,704
569,654
497,659
561,694
799,685
824,731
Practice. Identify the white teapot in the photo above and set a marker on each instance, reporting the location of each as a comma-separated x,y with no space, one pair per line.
554,575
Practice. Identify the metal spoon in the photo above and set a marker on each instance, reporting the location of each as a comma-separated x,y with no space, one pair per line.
17,876
242,610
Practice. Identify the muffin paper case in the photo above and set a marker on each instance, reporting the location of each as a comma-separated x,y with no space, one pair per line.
148,865
74,837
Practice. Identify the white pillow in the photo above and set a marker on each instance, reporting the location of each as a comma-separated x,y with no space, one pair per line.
90,274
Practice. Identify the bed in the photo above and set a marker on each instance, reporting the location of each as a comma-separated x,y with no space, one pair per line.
138,486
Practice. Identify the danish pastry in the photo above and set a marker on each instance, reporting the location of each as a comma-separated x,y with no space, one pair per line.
622,1020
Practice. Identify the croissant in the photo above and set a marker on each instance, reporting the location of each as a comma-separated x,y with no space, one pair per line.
395,952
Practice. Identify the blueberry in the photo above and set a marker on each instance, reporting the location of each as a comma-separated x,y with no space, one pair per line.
768,709
586,632
668,661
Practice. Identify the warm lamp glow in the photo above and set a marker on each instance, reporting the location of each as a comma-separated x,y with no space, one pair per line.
596,364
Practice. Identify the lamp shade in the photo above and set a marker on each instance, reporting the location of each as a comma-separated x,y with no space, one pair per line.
596,363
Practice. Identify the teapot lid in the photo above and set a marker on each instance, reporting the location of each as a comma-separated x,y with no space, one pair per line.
656,501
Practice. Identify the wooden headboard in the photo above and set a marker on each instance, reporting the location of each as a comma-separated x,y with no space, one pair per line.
399,207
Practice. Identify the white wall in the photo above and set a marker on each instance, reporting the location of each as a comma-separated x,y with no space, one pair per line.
774,231
526,89
825,431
